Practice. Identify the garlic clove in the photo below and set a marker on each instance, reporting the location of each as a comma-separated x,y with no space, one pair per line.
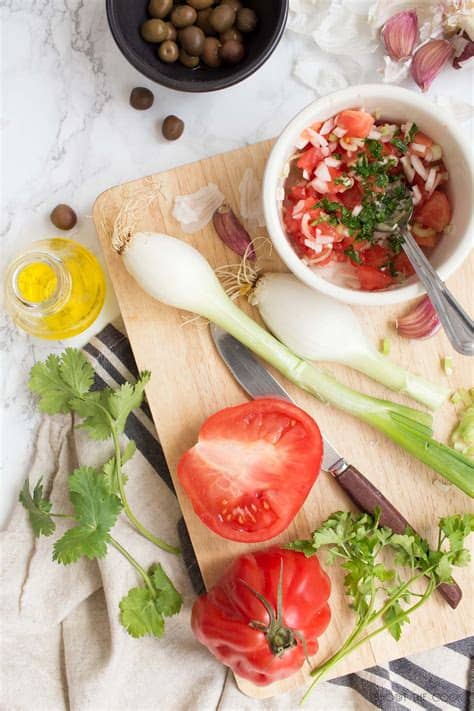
429,60
399,34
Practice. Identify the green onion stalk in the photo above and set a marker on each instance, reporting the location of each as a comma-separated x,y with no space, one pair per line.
175,273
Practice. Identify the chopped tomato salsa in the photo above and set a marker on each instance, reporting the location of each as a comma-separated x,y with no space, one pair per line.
348,178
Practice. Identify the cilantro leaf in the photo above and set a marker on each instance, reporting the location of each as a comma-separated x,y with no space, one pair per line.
38,509
121,402
76,371
59,379
169,599
46,381
398,143
96,512
353,254
394,625
93,409
140,613
302,546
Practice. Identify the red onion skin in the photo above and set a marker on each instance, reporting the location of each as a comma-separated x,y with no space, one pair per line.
420,323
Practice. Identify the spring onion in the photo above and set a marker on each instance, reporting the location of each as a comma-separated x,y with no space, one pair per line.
447,364
175,273
462,436
317,327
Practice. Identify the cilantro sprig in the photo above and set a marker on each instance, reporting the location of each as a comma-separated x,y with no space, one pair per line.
382,594
64,384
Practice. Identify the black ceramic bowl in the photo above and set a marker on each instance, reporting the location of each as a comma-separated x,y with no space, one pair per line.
126,16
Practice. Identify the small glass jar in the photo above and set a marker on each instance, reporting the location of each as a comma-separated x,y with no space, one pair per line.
55,289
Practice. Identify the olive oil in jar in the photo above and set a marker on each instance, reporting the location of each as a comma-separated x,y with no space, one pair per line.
55,289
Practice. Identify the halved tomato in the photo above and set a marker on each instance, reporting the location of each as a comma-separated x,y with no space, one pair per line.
252,468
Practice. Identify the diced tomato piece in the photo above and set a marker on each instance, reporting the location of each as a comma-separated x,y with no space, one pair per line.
403,265
435,212
352,197
357,123
372,279
297,193
359,245
292,226
422,140
376,256
310,158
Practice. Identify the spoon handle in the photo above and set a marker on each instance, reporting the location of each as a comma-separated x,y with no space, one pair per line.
456,322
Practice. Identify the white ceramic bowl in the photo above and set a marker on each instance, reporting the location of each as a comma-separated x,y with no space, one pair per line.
394,104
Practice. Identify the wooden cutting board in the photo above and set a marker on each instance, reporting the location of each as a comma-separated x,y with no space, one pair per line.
189,382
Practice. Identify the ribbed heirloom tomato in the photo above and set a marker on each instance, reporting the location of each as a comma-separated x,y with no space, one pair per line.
252,468
261,634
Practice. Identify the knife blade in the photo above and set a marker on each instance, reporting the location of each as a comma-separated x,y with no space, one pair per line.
257,381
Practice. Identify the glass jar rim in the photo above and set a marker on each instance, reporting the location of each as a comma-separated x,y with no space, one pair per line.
63,281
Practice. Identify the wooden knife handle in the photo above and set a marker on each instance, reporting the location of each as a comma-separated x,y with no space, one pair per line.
368,497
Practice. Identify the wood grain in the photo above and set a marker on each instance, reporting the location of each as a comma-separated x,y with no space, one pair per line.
189,382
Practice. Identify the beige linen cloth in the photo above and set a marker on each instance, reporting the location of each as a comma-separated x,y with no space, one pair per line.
62,646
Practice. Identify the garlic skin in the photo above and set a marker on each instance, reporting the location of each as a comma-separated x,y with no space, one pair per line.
429,60
400,33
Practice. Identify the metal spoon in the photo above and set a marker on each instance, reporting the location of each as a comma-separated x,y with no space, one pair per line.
456,322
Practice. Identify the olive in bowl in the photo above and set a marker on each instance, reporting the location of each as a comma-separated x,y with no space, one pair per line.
126,19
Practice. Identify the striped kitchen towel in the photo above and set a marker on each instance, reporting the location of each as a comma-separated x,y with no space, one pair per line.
438,679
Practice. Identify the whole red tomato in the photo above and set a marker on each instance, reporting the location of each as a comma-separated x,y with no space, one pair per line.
263,617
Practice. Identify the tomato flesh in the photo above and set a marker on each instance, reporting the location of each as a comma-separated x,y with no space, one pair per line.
435,212
222,618
252,468
372,279
357,123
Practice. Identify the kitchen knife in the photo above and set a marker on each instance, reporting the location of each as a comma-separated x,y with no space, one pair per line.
255,379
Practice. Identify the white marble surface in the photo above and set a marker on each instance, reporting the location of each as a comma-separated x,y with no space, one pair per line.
69,133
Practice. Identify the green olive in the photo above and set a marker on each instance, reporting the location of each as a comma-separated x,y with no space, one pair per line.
141,98
160,8
171,31
172,128
188,60
234,4
154,31
168,51
210,53
203,22
232,52
191,40
247,20
200,4
222,18
183,15
231,34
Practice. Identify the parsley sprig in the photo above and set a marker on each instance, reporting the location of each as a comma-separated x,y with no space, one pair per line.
64,384
382,593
